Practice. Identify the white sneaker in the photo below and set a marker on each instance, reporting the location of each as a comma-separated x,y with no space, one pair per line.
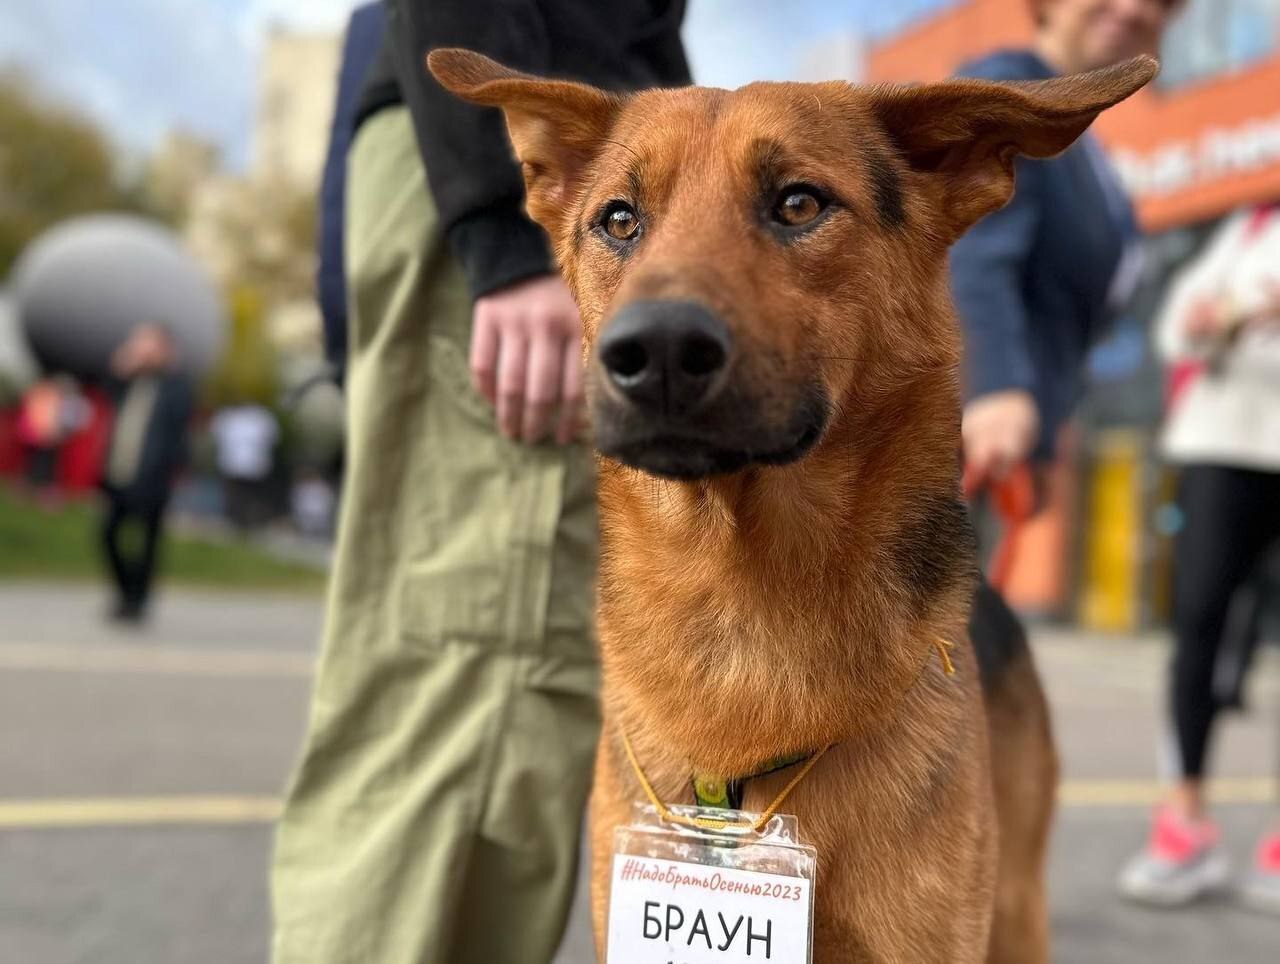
1261,889
1180,864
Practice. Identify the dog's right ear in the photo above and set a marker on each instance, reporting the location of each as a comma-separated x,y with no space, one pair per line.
968,132
556,126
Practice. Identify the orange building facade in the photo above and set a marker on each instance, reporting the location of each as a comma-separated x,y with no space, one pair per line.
1188,154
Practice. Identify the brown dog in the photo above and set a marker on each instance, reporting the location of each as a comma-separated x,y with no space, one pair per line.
773,381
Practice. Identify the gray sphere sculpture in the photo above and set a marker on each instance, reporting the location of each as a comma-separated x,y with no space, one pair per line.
82,286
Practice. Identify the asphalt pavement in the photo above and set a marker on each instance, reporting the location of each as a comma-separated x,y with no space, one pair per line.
140,772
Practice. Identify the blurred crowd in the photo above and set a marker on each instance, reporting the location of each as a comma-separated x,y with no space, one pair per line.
58,424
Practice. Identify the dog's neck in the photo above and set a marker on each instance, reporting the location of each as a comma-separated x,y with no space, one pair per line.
806,597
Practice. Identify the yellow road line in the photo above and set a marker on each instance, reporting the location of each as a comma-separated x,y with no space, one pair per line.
135,812
1146,793
247,810
153,660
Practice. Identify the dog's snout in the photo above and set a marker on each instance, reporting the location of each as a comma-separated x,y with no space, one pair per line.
665,356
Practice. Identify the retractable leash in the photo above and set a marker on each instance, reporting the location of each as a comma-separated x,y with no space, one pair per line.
1013,498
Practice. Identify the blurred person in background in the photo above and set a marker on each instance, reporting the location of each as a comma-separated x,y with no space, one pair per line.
1037,282
435,814
244,441
153,402
1220,328
51,410
38,434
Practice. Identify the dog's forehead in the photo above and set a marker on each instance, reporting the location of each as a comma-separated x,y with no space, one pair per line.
717,149
659,129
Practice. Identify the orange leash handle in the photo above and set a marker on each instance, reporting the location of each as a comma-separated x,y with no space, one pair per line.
1014,500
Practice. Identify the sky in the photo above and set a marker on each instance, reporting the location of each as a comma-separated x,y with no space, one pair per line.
143,67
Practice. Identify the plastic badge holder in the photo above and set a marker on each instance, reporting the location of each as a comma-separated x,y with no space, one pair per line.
681,895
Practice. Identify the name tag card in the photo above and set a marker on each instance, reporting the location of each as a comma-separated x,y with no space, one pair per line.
680,895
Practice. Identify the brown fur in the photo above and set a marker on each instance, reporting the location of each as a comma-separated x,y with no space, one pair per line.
1025,779
782,608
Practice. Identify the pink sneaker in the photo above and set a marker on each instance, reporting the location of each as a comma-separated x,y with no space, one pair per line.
1261,889
1180,864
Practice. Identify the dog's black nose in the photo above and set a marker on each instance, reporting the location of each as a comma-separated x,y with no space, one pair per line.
665,356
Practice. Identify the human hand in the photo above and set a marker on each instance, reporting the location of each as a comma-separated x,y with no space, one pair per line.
999,431
526,358
1204,320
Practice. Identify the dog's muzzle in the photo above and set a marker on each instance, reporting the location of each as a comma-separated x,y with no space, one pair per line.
667,397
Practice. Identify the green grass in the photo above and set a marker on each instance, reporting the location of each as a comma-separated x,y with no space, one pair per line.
62,544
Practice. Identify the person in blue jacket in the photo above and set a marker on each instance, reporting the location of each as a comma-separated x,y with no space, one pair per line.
1036,283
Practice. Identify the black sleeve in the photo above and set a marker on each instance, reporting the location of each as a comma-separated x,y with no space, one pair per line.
476,183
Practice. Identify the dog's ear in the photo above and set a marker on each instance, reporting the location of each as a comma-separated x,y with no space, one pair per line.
969,131
556,126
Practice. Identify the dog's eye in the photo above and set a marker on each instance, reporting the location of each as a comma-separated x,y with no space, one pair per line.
620,221
797,205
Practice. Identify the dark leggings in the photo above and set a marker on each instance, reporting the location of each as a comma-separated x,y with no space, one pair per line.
1230,518
132,570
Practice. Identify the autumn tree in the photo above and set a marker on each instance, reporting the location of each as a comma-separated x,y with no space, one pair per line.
54,164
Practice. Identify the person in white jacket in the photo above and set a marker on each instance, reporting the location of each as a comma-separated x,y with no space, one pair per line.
1220,332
